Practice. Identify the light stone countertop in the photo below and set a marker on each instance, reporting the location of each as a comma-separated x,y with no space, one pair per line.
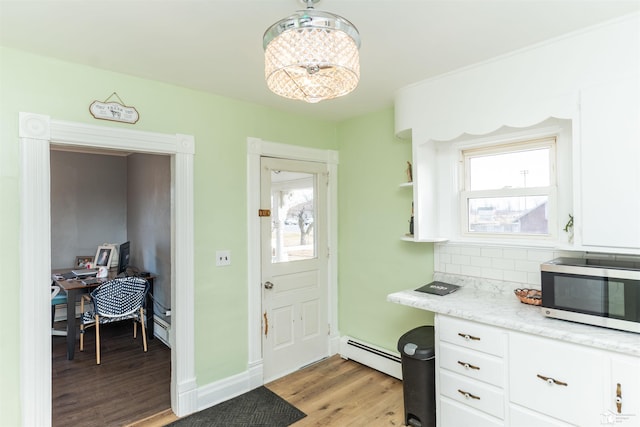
493,303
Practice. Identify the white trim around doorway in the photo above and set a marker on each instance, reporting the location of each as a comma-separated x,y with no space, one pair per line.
256,148
36,133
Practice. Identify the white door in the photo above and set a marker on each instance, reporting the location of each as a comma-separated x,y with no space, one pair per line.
294,259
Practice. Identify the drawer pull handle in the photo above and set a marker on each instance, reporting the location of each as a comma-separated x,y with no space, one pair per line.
468,337
468,366
619,398
468,395
552,380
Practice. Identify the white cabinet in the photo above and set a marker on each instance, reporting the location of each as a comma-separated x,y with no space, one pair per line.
453,414
553,381
609,165
490,376
471,373
622,392
557,379
523,417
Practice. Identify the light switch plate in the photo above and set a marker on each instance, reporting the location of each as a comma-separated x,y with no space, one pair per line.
223,258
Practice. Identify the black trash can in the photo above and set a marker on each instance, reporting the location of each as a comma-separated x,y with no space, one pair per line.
417,351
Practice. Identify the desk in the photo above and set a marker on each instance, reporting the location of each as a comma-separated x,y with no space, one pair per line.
74,288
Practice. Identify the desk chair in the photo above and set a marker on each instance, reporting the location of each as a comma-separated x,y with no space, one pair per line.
57,298
118,299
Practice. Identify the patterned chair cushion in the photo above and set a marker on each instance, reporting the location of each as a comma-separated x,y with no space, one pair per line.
117,299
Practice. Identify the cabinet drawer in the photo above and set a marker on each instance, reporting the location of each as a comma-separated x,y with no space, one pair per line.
454,414
472,335
475,394
558,379
523,417
473,364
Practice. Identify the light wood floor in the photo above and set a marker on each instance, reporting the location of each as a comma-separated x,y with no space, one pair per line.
334,392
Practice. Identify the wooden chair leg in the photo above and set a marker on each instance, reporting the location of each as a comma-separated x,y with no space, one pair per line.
97,340
135,329
144,330
81,337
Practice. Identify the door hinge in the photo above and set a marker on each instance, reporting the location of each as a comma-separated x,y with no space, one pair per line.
264,212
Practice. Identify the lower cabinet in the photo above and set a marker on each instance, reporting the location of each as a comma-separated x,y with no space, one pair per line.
557,379
622,393
471,373
490,376
455,414
523,417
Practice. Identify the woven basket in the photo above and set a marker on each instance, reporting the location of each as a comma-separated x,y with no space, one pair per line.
529,296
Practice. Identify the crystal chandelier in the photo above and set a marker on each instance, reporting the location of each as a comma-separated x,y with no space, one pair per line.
311,55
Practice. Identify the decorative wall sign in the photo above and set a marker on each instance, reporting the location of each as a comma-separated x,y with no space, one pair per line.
114,111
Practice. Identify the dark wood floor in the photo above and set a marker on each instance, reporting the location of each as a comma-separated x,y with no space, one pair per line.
127,386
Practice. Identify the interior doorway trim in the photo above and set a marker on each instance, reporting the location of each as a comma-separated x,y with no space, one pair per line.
37,132
256,148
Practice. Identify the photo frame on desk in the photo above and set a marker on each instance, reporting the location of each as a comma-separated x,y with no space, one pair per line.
104,256
82,261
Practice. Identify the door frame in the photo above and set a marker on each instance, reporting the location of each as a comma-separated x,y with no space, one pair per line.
36,133
257,148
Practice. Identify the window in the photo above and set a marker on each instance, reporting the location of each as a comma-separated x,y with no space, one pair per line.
509,190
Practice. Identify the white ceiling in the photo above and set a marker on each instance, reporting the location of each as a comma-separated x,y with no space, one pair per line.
216,45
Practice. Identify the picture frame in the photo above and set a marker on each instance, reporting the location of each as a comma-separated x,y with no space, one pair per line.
82,261
104,256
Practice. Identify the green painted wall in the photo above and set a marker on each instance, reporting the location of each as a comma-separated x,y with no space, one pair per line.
374,212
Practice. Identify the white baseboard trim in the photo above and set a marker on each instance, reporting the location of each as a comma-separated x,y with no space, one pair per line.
371,355
227,388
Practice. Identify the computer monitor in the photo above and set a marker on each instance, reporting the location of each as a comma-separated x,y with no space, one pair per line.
123,257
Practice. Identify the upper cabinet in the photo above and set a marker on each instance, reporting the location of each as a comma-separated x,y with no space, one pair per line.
588,78
609,165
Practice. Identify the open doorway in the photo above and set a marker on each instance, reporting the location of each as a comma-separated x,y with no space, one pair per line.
37,133
96,199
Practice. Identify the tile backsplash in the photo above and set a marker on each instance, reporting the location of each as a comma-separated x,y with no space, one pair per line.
496,262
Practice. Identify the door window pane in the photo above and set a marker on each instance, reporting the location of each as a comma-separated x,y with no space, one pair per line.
293,214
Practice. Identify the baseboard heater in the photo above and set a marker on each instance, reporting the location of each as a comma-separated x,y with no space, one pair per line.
372,356
161,330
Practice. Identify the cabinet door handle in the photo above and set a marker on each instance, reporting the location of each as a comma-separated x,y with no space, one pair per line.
468,366
468,395
468,337
619,398
550,380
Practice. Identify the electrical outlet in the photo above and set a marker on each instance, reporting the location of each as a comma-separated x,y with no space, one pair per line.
223,258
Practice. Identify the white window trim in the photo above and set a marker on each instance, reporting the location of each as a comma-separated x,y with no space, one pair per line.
549,191
451,177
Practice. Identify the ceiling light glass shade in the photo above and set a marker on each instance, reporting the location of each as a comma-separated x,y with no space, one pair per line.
312,56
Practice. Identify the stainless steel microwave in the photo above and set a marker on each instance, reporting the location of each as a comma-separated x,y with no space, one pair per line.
592,291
